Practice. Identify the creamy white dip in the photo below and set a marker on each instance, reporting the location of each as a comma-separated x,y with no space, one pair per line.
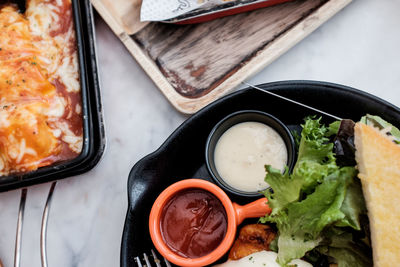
260,259
243,150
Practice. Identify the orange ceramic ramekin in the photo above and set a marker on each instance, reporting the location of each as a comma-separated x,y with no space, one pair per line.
235,215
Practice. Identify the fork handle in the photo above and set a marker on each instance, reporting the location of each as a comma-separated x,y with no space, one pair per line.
20,221
43,231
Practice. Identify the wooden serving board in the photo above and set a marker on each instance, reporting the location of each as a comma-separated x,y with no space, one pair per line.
195,64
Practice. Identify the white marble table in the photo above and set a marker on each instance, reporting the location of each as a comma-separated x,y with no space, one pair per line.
359,47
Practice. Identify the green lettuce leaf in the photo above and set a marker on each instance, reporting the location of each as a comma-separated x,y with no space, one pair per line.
316,196
302,222
380,123
353,206
315,158
333,128
346,251
286,189
347,258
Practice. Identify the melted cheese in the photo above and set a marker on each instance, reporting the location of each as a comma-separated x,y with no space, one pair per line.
39,86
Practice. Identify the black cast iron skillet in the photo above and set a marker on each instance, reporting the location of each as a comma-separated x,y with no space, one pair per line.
182,154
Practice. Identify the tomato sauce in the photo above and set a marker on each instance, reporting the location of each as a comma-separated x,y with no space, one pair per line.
193,223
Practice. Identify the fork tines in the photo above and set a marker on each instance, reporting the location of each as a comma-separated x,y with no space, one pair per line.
151,260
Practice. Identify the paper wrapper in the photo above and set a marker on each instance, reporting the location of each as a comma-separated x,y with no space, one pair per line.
125,13
175,10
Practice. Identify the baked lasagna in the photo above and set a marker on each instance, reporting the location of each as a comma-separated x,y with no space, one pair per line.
40,95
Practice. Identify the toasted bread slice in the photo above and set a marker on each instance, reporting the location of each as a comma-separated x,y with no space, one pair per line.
378,161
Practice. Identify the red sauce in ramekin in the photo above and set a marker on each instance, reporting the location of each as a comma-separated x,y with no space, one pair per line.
193,223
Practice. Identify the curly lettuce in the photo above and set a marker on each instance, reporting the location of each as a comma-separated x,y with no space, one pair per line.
317,195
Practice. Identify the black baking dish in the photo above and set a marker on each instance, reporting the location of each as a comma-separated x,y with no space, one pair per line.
182,154
93,129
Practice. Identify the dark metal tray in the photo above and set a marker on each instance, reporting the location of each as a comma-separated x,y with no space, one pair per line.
93,128
183,154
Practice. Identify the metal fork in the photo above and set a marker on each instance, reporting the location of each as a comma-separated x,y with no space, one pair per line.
148,260
43,232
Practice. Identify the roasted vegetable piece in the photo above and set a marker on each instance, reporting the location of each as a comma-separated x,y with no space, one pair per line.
252,238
